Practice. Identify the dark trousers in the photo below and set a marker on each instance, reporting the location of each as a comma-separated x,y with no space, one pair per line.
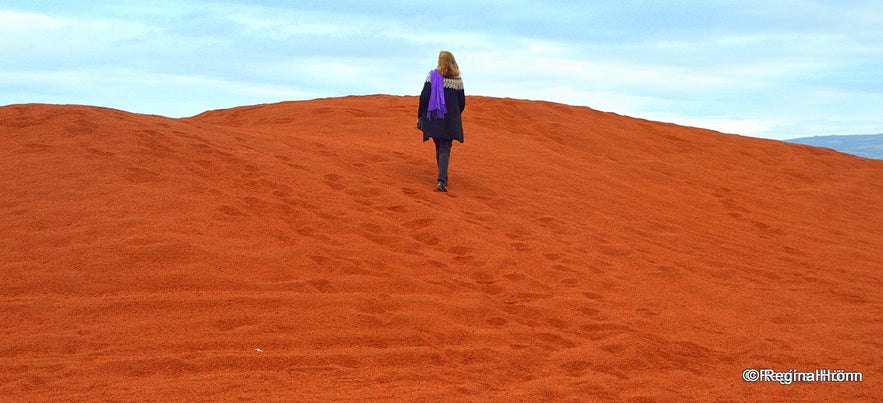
443,158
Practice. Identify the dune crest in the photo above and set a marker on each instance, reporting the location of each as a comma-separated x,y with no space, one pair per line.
298,251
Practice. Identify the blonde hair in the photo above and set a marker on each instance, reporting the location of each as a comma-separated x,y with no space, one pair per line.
447,65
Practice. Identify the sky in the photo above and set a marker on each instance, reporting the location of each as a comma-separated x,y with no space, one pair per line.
775,69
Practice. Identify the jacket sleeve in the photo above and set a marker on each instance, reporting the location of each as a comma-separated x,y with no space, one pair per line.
462,95
424,100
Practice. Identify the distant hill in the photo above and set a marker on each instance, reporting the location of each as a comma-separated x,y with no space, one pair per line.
865,145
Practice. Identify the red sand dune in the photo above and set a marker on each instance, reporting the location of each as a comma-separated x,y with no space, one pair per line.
297,251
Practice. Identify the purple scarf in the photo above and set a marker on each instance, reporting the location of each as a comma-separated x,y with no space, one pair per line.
437,108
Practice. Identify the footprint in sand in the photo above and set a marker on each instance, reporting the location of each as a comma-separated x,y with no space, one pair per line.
570,282
496,322
397,209
576,368
372,228
427,239
599,331
333,181
228,213
564,268
554,342
521,247
255,205
593,296
141,175
419,224
250,172
460,250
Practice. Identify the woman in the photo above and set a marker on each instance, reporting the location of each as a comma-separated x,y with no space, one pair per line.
441,103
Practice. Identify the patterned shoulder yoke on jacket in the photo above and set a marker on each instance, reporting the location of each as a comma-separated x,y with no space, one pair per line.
454,83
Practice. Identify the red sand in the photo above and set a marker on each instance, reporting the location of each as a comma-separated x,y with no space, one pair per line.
297,251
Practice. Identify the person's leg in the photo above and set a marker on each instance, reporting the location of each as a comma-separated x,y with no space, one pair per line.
443,158
437,162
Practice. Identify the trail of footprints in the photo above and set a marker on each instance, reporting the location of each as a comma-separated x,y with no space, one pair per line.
516,299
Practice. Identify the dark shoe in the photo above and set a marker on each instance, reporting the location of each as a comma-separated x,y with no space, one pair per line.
441,187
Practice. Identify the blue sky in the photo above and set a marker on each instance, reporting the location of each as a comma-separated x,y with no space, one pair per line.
773,68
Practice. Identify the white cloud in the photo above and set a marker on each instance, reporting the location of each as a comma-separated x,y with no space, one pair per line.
158,93
747,127
16,22
785,68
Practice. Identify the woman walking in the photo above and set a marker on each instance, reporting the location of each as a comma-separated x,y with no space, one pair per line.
441,103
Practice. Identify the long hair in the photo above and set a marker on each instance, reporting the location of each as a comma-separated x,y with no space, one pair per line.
447,65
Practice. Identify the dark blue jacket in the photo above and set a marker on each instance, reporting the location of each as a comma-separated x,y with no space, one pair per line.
451,127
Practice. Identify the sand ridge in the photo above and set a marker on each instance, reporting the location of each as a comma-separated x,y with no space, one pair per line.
296,251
